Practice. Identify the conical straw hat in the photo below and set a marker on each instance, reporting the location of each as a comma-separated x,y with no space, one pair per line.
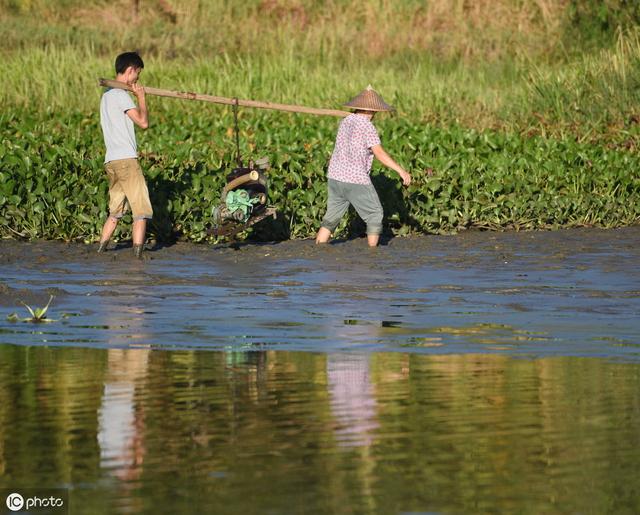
369,100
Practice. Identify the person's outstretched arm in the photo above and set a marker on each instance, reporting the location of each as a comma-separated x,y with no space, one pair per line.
139,115
387,160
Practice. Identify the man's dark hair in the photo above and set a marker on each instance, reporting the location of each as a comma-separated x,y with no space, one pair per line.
123,61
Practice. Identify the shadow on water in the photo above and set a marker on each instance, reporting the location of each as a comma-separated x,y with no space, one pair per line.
271,229
392,196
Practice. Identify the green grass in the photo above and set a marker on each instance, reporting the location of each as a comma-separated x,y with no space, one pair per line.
519,66
593,97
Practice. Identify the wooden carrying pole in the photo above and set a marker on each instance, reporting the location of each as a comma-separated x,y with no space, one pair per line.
228,101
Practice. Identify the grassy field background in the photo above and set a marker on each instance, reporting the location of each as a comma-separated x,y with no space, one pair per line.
483,90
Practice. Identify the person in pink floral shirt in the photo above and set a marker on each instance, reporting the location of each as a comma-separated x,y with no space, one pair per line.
357,143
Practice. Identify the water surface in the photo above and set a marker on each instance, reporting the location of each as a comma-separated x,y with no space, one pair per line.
530,294
482,373
299,432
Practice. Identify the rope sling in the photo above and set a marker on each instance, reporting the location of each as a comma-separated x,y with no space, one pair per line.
238,201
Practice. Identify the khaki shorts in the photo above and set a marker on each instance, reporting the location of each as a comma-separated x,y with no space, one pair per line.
127,187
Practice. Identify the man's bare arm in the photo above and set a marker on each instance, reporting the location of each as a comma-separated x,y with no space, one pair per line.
139,115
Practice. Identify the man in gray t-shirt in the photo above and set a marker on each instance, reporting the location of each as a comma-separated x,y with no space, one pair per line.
127,187
117,129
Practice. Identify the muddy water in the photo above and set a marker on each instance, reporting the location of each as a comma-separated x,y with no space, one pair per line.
533,294
479,373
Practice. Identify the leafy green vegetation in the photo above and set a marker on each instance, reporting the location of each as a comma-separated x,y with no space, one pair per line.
38,315
52,183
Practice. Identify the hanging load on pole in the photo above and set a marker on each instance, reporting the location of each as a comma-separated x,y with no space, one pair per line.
243,201
244,198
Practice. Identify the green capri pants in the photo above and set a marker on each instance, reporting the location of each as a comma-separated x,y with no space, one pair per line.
363,197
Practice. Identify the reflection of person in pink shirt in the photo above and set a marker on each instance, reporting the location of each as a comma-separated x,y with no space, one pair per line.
352,398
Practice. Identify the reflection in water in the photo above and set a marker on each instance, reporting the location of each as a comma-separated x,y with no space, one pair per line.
121,417
293,432
352,398
121,421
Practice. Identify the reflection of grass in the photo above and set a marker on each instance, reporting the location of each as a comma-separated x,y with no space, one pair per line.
496,336
38,315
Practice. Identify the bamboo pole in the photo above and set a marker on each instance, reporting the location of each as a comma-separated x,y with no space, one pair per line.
107,83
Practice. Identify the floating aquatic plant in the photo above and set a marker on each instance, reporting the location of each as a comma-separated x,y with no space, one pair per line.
38,315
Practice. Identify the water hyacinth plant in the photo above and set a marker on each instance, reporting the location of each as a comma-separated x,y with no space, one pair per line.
52,183
38,315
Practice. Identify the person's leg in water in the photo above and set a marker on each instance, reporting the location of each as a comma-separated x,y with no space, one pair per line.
372,240
323,235
364,198
117,204
139,230
107,230
337,206
136,192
